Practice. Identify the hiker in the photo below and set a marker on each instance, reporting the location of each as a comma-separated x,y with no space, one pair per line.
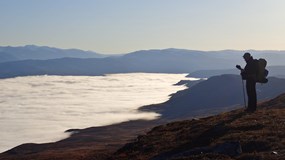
249,73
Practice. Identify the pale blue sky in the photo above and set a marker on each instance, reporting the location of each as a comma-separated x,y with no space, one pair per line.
121,26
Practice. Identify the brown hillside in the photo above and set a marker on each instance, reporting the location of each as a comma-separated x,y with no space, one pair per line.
260,135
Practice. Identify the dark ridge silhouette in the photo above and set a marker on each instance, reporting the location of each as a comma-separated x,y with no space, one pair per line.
64,66
216,94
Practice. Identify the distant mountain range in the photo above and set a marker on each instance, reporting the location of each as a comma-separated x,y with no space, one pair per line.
9,53
34,60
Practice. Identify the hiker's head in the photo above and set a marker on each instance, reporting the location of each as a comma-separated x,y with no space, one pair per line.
247,56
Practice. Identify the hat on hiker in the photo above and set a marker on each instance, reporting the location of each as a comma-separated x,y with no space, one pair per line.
246,55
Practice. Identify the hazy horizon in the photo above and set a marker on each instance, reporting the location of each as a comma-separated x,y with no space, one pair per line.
138,50
124,26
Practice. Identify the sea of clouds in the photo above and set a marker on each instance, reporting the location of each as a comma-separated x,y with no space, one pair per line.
39,109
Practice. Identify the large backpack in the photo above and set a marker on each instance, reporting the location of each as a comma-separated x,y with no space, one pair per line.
262,73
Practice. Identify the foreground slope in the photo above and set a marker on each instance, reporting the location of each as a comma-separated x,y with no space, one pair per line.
253,136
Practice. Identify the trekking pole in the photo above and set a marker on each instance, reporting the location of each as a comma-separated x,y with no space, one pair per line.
244,100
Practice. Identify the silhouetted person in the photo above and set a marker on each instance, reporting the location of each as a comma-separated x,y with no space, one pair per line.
249,74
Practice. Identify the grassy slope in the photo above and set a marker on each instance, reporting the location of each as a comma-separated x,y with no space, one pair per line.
259,134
